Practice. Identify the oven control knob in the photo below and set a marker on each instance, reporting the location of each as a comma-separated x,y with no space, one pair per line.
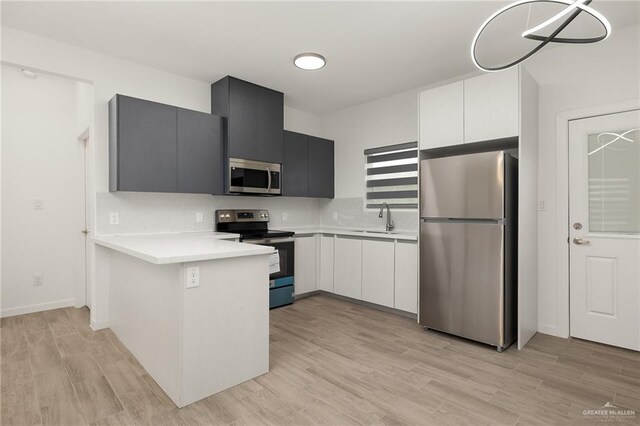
227,216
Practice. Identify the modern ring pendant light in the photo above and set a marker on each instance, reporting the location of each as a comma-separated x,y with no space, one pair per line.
573,9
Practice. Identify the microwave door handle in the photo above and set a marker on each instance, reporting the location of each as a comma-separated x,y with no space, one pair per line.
268,180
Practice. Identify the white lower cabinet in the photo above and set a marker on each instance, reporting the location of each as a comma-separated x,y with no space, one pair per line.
378,272
325,282
305,264
348,267
384,272
406,277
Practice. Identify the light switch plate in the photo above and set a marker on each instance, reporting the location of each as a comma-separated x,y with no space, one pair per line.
199,217
285,216
335,215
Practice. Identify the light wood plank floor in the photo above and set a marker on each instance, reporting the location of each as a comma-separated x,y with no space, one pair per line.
332,363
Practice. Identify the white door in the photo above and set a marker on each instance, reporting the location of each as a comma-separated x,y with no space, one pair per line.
604,218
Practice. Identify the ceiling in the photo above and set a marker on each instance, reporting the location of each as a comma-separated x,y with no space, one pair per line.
373,49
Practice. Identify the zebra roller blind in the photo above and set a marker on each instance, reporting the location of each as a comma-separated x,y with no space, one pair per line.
392,175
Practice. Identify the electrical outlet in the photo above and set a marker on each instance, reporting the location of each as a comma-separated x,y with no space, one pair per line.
335,215
541,206
199,217
114,218
38,204
193,277
38,280
285,216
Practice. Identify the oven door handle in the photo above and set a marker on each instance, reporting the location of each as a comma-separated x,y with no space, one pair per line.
268,180
271,240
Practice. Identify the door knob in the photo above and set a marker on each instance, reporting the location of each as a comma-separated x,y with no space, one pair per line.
580,241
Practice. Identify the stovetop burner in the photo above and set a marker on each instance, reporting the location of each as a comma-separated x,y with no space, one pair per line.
250,224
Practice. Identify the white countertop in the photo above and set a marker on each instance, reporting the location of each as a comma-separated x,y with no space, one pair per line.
181,247
362,233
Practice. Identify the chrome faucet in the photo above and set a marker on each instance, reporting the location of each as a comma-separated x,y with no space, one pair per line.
389,225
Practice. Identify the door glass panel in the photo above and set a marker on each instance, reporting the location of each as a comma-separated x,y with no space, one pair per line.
614,181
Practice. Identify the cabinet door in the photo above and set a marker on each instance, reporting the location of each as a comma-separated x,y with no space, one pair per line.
145,146
271,126
326,263
441,116
406,277
305,265
321,168
295,168
200,153
244,120
348,267
377,272
491,106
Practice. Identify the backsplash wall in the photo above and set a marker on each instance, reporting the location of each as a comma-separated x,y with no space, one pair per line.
144,213
352,214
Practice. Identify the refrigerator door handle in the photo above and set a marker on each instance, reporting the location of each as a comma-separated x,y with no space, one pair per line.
496,221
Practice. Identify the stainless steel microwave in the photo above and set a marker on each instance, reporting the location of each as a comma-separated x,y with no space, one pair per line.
254,177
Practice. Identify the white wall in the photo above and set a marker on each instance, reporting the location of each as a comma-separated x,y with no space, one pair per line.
385,121
570,78
41,159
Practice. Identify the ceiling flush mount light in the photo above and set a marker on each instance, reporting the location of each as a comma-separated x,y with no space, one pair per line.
573,9
309,61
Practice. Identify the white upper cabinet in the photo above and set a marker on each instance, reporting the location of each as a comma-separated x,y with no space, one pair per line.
348,267
491,106
378,272
305,264
441,116
477,109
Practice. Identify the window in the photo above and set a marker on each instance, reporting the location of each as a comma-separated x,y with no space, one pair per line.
392,175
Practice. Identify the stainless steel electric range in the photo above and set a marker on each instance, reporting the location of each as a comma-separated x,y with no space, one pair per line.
252,226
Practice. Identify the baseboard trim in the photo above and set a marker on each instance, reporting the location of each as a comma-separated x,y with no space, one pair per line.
38,307
551,330
99,325
359,302
308,294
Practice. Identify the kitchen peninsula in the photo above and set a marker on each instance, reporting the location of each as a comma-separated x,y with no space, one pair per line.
192,307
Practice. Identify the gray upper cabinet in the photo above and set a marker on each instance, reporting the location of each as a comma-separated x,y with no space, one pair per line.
308,168
161,148
255,119
142,145
295,169
200,152
321,168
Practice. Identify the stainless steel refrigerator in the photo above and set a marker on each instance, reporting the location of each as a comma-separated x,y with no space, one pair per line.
468,246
